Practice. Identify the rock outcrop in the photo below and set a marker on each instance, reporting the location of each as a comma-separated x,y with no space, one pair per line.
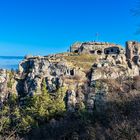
57,72
82,83
7,84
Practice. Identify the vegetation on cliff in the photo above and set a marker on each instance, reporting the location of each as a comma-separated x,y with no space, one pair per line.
44,116
71,96
17,119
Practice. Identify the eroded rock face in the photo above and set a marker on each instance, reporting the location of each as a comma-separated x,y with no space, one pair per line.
7,84
133,53
114,72
112,67
71,100
3,84
132,49
55,71
96,99
82,89
75,47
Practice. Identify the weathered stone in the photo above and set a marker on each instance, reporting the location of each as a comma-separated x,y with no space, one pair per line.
99,48
80,83
70,100
133,53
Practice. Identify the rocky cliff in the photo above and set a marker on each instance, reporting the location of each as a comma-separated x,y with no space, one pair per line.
73,95
82,75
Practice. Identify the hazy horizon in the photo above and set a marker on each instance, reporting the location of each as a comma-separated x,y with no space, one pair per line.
10,62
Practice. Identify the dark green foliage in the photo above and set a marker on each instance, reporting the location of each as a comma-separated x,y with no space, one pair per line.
38,110
10,79
43,117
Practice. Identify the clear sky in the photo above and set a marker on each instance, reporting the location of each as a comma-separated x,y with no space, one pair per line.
40,27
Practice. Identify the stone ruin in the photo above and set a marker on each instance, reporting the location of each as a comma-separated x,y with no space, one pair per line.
104,49
132,49
99,48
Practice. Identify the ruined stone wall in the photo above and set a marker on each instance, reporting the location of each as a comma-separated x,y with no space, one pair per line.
75,47
95,48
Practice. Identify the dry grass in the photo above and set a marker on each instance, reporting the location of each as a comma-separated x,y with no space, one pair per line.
73,80
84,61
114,85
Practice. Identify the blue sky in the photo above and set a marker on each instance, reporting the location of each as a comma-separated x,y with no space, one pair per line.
40,27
